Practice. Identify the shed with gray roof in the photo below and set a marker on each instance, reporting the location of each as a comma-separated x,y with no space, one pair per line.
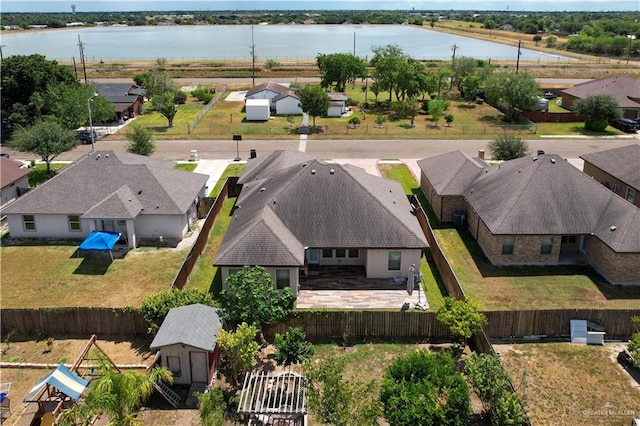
138,196
187,340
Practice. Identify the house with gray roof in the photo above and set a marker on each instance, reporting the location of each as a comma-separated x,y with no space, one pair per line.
295,212
187,341
14,178
137,196
625,90
127,98
542,210
618,169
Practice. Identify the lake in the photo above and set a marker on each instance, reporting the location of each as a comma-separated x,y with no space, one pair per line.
278,42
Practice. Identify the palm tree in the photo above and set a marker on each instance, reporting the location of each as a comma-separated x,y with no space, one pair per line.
118,395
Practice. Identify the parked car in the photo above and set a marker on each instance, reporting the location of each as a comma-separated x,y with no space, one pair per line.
625,124
85,136
549,95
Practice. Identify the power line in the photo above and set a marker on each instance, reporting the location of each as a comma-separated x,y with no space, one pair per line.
253,60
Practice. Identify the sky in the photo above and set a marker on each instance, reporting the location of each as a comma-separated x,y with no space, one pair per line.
195,5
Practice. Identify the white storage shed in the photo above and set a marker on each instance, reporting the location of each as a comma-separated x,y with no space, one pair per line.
257,109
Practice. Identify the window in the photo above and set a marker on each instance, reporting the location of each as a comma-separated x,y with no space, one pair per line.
507,244
74,223
29,222
173,364
394,260
631,194
122,222
354,253
282,278
547,245
327,253
341,253
570,239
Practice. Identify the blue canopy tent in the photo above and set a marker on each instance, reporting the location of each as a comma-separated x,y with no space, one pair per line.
64,380
100,241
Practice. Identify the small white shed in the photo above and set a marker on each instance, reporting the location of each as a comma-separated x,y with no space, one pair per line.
187,340
257,109
287,103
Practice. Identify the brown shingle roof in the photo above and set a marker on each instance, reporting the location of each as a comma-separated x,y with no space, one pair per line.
11,171
274,87
622,163
626,90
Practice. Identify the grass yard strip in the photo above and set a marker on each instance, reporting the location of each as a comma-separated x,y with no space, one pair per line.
528,287
573,129
231,170
187,167
39,175
205,276
56,277
564,383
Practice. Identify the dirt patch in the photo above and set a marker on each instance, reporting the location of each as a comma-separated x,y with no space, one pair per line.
564,383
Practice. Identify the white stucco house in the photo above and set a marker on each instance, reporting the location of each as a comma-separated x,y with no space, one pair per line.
14,178
267,91
337,104
137,196
295,212
257,109
287,103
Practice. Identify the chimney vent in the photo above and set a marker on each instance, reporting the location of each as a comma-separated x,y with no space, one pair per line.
332,171
313,171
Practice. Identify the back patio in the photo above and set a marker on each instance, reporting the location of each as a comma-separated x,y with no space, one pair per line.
347,287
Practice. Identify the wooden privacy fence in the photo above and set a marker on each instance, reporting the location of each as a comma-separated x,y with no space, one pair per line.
192,257
73,321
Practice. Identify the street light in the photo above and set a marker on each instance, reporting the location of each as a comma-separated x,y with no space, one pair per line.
237,138
93,140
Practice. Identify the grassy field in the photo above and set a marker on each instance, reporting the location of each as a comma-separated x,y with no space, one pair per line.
528,287
569,384
36,276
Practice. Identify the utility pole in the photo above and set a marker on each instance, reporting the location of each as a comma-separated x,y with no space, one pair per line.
75,68
453,58
519,53
631,37
253,59
84,67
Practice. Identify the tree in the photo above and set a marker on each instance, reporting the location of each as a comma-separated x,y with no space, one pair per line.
437,108
120,395
517,92
292,347
471,85
338,401
461,317
508,147
212,406
387,61
537,38
140,140
290,119
461,68
164,104
154,308
634,343
239,348
67,103
488,377
314,101
598,110
46,139
339,69
252,297
157,82
449,119
551,41
425,388
508,410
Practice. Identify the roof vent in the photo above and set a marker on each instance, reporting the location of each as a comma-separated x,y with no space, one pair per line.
304,164
535,158
471,190
106,155
313,171
263,189
519,171
553,161
98,157
613,228
332,171
157,206
274,201
140,192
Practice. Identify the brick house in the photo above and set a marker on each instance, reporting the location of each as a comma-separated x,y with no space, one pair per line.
538,210
626,90
618,169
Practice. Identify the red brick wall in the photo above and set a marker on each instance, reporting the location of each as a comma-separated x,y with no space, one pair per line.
617,268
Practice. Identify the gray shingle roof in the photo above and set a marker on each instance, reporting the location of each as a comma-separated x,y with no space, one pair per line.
131,182
625,89
549,196
622,163
194,325
314,204
451,173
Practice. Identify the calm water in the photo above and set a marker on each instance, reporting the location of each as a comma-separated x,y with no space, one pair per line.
280,42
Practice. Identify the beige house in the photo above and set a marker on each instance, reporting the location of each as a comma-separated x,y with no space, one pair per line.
618,169
295,212
538,211
14,178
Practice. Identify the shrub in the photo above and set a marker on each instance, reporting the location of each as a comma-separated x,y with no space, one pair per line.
212,407
354,121
271,63
461,317
508,147
292,347
202,95
155,308
180,97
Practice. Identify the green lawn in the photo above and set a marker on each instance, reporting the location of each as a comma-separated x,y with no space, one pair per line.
187,167
231,170
39,174
55,276
528,287
572,129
